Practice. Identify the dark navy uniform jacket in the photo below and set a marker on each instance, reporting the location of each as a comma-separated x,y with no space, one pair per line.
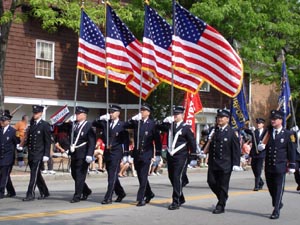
258,139
118,142
224,150
147,136
186,136
38,141
88,135
280,152
8,142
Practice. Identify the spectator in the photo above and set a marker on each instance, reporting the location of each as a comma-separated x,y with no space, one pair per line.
98,155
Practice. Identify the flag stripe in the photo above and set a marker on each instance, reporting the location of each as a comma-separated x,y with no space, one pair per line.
201,50
157,54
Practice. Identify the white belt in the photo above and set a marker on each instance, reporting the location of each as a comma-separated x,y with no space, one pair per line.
173,150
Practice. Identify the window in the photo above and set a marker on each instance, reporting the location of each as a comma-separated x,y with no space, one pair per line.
44,63
88,78
205,87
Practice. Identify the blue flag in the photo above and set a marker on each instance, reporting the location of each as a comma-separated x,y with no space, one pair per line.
238,110
285,95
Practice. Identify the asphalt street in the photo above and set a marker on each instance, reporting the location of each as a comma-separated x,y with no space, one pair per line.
243,207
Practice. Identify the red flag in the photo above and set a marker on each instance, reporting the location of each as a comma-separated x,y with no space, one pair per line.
201,50
193,106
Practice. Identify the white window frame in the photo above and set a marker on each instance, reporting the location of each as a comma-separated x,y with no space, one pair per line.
95,81
205,87
52,60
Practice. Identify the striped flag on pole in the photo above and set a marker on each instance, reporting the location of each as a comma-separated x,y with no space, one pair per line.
124,55
157,53
91,50
201,50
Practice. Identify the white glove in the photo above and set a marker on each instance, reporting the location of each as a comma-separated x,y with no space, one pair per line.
137,117
193,163
261,147
21,163
19,148
169,119
291,171
125,159
202,155
89,159
157,159
237,168
252,128
105,117
295,128
45,158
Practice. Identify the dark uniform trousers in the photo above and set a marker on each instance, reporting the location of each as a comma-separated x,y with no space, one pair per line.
36,179
224,153
177,164
79,169
8,142
118,142
176,168
142,168
278,152
38,143
9,185
148,137
79,166
297,160
257,159
113,168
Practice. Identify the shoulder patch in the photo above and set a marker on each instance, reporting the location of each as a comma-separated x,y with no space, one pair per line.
293,139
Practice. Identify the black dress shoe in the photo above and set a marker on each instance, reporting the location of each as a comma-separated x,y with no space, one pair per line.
10,195
75,200
181,202
255,189
298,188
43,196
120,197
105,202
85,196
218,210
173,206
275,215
148,198
27,199
141,203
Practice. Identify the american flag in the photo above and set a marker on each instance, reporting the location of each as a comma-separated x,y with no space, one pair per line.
201,50
91,50
157,53
124,55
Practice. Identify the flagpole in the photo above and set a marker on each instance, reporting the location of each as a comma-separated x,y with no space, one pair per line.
106,78
76,87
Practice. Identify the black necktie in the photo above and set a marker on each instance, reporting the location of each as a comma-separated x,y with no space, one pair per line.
276,132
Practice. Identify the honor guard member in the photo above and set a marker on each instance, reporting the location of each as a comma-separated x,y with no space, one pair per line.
280,155
296,132
178,152
258,157
8,143
146,140
224,156
38,142
117,146
81,151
